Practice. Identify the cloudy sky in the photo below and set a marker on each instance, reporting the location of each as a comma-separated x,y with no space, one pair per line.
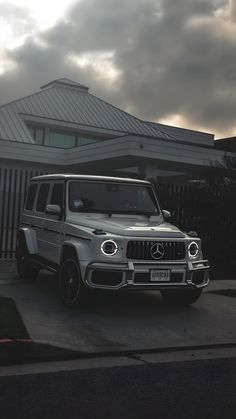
171,61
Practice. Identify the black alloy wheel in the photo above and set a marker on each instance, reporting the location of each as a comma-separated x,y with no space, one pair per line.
70,284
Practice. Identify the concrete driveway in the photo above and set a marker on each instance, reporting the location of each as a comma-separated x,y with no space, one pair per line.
127,321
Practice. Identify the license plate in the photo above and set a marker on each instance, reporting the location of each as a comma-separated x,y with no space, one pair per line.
160,275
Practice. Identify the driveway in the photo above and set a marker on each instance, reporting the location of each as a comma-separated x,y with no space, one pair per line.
120,322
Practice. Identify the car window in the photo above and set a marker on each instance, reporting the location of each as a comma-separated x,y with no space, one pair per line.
31,194
42,197
57,194
111,197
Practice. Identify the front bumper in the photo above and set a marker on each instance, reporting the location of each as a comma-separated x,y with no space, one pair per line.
137,275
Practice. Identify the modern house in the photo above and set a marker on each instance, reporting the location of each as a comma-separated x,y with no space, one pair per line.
64,128
226,144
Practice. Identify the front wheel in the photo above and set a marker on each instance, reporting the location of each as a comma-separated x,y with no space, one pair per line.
181,297
70,284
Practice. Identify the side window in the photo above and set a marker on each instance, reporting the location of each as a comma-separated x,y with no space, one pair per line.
57,194
42,197
31,196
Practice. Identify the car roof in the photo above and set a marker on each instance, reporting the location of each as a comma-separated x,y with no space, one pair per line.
88,177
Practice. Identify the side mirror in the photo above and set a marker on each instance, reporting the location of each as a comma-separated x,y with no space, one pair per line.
166,214
53,209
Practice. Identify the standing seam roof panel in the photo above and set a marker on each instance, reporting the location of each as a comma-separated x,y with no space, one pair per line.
62,108
78,109
50,108
93,120
115,117
104,110
134,122
68,104
35,105
99,118
11,126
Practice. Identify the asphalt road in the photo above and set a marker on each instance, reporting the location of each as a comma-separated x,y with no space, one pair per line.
120,321
203,389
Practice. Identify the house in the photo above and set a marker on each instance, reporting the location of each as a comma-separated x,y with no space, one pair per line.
65,128
226,144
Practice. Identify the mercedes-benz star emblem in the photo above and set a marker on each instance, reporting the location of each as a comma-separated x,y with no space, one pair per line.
157,251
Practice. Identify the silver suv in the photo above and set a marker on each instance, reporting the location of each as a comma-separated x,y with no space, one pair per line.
106,233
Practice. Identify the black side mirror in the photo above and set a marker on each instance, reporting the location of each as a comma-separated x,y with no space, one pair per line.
166,214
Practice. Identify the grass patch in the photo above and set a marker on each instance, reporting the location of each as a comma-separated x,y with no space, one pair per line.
11,323
226,293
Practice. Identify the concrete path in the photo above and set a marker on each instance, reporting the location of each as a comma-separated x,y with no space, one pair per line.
120,322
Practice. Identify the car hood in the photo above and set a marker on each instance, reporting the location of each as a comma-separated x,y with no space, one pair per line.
135,226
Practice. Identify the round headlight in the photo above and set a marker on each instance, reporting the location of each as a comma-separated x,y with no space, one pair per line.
109,247
193,249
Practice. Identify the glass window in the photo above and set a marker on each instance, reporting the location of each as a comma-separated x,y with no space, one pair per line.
31,196
61,139
112,198
85,140
42,197
57,195
37,133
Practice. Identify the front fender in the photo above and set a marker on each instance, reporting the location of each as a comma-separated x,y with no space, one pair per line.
81,249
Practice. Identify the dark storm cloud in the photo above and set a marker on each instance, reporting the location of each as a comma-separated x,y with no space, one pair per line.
174,57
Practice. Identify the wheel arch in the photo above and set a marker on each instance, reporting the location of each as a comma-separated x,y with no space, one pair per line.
77,250
69,250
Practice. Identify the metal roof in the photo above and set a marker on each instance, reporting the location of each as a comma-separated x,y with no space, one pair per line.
66,101
66,82
184,135
69,176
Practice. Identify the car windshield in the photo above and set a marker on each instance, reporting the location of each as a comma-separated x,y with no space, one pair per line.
108,197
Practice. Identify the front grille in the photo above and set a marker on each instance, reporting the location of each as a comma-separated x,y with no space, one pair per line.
141,250
144,277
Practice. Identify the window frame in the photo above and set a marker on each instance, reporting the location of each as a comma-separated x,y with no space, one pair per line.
34,127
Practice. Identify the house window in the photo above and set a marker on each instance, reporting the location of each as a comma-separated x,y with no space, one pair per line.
37,133
61,139
58,138
85,140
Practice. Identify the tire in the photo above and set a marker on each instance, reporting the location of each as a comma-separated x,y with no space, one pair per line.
181,297
70,285
25,267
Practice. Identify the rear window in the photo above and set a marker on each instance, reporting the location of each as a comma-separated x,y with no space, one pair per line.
42,197
31,194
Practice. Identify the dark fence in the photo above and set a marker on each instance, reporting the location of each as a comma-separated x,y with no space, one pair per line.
13,186
211,212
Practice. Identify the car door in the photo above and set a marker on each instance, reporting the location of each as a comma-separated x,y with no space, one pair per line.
52,224
39,221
